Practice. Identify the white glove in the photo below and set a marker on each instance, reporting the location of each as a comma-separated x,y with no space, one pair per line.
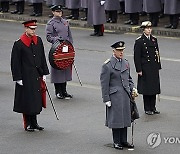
102,2
20,82
108,103
44,78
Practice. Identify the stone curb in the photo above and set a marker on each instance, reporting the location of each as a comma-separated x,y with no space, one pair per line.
114,28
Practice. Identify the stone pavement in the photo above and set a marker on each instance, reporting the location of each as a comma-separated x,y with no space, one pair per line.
115,28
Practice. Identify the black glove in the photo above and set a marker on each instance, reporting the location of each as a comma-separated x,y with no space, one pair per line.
60,39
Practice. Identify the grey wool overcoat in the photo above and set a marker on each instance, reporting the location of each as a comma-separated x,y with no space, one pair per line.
116,86
55,28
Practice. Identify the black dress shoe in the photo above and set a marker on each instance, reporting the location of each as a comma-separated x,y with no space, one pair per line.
38,15
128,145
32,14
168,26
14,12
173,27
29,128
38,127
69,17
59,96
127,22
74,18
100,34
156,112
84,19
67,96
20,13
118,146
149,112
93,34
134,23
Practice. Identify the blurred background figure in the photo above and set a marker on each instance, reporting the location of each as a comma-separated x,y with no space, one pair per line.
4,6
19,7
84,5
111,7
153,8
172,8
133,7
74,6
37,8
96,16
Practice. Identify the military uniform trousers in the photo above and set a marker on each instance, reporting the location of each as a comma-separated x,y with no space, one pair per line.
119,135
149,102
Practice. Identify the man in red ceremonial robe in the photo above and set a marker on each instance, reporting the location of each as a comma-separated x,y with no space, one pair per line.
29,70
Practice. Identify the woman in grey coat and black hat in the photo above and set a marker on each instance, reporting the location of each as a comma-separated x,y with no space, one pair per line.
58,28
117,86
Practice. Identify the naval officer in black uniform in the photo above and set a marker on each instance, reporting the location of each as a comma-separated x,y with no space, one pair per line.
147,64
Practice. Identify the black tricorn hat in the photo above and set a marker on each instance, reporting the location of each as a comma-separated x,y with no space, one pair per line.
120,45
56,8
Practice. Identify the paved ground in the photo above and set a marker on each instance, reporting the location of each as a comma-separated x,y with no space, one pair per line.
81,129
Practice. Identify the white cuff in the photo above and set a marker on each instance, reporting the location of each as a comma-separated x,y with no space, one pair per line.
108,103
20,82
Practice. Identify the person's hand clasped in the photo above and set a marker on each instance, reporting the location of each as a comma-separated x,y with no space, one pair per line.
108,104
20,82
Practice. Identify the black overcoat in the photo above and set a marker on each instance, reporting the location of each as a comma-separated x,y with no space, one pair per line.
24,63
147,60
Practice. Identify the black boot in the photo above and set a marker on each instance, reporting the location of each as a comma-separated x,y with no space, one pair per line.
35,124
39,10
58,90
64,91
95,31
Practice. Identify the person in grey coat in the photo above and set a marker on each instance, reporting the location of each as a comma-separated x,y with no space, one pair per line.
172,8
133,7
153,8
58,28
111,7
117,86
96,16
74,6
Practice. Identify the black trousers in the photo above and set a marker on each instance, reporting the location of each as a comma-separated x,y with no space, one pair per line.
29,120
20,6
134,17
149,102
154,18
98,29
60,88
174,20
75,13
112,15
119,135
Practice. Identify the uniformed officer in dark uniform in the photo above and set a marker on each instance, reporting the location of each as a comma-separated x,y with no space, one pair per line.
117,86
147,63
28,66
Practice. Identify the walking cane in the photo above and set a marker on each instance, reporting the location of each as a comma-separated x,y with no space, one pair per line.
77,74
52,103
132,136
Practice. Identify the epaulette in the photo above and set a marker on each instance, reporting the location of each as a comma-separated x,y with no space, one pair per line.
138,38
106,61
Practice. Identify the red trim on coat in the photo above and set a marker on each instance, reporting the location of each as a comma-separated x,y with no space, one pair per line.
27,40
43,92
24,121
